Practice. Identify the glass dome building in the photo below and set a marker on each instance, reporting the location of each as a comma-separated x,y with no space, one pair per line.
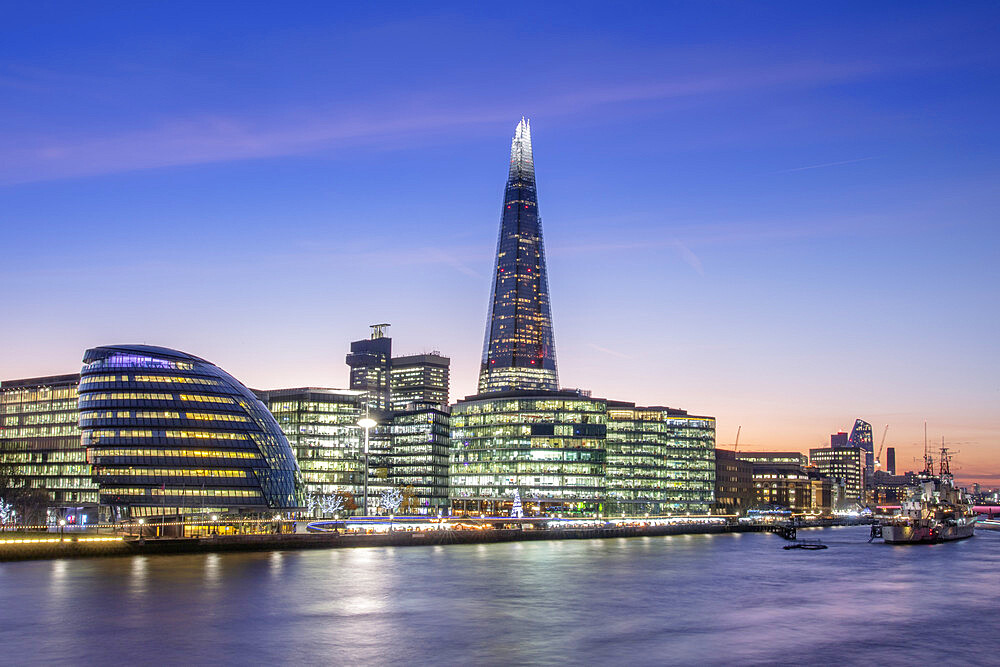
168,433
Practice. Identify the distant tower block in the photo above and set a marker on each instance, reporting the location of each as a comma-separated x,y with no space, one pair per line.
863,436
519,351
370,362
890,460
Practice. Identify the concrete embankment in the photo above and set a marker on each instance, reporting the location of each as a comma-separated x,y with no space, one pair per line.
82,547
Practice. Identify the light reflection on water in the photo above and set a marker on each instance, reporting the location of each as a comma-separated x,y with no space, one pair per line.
676,600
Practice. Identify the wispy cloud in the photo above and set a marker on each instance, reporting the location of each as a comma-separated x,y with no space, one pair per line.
824,165
206,138
689,257
605,350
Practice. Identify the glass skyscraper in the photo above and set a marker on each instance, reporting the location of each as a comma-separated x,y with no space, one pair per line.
862,436
519,352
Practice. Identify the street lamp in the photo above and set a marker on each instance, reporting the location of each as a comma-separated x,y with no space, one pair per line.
367,423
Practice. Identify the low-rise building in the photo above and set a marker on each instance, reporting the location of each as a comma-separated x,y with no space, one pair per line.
734,488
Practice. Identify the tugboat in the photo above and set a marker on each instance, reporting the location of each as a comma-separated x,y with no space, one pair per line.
935,512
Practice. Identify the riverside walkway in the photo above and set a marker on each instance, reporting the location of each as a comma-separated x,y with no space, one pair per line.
376,532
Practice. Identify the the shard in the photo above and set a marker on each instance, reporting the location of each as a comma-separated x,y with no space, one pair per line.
519,351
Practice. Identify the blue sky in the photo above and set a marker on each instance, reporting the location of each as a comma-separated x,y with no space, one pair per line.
780,214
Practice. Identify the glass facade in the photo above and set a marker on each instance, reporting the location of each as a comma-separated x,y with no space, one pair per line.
519,351
420,378
168,434
659,460
322,428
40,439
418,464
370,361
843,464
548,446
862,436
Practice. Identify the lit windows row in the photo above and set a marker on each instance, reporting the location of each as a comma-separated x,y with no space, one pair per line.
37,394
177,380
168,472
148,414
39,431
153,396
141,433
129,360
195,493
173,453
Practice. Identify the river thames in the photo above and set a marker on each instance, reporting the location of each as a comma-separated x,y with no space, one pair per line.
705,599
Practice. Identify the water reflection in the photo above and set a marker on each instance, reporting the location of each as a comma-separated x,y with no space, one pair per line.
680,600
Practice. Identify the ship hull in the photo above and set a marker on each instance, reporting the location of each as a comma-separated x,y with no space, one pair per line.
925,535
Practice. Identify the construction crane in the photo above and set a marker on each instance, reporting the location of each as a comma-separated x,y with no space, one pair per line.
878,458
736,447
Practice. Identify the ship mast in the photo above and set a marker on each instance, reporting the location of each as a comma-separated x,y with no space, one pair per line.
928,461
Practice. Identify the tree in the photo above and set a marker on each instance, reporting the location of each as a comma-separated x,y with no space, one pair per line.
350,504
391,499
330,504
516,510
410,501
7,512
32,506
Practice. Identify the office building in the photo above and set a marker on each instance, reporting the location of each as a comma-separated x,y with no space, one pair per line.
422,378
549,447
862,437
659,460
170,434
519,351
780,487
420,440
40,444
890,489
843,464
370,360
839,439
826,492
890,460
775,459
734,489
322,429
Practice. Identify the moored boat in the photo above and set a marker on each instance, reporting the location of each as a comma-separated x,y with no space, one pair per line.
936,510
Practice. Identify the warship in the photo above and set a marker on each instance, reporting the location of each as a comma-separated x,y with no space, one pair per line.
936,510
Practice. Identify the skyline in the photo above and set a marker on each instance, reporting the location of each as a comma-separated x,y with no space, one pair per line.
784,227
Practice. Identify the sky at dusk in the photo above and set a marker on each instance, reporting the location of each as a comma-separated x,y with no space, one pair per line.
784,215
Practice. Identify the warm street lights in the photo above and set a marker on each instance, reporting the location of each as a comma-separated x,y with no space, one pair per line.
367,423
